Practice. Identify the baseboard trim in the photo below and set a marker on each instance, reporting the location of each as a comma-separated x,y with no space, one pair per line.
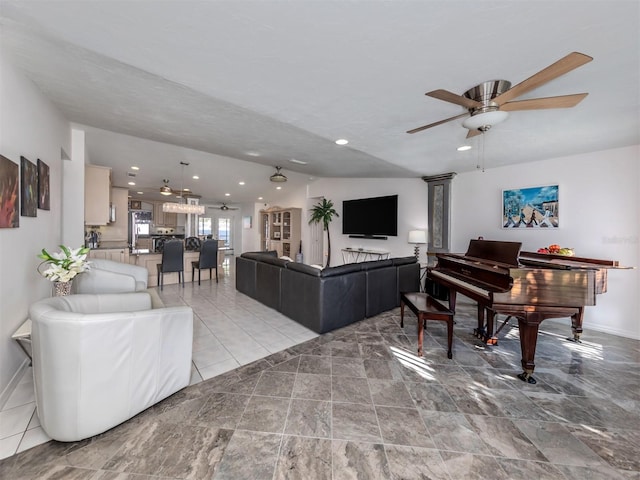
13,383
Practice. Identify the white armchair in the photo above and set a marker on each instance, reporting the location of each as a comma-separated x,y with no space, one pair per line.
107,276
99,360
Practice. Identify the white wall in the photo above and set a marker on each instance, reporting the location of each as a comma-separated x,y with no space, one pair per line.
412,212
599,218
33,128
73,191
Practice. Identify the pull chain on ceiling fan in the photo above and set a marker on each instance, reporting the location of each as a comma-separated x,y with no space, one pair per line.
488,104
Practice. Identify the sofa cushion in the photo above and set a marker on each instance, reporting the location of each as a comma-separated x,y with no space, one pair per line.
322,304
376,264
341,270
381,289
404,260
408,279
278,262
246,275
268,279
301,267
260,255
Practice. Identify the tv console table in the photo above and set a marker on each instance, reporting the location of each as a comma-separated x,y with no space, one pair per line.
355,255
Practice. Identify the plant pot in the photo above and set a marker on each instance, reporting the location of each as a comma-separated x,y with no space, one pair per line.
61,289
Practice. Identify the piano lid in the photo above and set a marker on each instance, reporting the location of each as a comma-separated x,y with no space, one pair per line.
497,251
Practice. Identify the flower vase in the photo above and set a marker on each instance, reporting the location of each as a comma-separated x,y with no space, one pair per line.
61,289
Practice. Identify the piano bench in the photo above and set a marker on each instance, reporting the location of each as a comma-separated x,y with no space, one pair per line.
427,308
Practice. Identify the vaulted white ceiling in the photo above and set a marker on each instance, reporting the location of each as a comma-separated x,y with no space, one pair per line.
215,82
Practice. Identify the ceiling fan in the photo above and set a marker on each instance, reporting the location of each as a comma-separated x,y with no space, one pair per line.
224,207
179,193
488,104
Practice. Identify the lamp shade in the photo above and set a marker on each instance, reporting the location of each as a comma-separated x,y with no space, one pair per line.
417,236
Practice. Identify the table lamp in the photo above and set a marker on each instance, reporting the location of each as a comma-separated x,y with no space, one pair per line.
417,237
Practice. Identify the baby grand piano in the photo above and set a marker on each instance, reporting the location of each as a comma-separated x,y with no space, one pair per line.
528,286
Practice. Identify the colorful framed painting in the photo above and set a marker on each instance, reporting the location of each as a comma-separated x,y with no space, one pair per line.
534,207
28,188
43,185
9,193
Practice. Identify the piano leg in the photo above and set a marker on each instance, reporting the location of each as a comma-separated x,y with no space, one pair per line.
452,300
576,325
491,339
479,331
528,326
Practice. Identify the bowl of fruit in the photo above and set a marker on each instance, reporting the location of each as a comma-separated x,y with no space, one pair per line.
557,250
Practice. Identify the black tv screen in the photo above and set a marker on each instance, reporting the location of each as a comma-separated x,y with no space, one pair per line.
371,216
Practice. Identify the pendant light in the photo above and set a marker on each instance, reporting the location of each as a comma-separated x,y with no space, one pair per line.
188,208
278,177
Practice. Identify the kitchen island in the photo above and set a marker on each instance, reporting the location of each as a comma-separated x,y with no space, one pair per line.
149,260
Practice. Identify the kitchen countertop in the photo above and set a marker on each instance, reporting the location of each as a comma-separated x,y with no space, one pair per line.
111,245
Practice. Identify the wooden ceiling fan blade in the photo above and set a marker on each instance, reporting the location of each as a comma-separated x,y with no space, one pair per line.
555,70
563,101
450,97
419,129
473,133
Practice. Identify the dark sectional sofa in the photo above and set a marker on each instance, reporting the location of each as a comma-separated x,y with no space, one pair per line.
324,300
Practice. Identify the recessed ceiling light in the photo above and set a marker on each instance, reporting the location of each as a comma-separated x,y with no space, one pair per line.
135,168
227,194
196,177
259,198
464,148
278,188
342,141
131,183
253,154
140,193
240,183
299,162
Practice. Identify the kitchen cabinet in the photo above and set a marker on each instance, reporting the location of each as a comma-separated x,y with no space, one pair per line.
163,219
97,194
118,229
115,254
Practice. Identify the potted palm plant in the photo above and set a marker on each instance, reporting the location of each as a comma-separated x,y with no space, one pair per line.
323,213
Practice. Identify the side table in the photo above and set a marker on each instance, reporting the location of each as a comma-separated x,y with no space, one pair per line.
23,337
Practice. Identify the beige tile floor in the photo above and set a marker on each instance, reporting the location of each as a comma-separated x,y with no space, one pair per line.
230,330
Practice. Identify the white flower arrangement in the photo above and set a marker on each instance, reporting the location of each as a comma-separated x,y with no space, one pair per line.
64,265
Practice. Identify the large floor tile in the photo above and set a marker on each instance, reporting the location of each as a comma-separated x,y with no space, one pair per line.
357,403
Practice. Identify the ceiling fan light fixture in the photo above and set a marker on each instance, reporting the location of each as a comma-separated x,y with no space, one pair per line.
278,177
165,189
485,120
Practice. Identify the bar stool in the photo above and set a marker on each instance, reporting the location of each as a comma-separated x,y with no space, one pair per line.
172,261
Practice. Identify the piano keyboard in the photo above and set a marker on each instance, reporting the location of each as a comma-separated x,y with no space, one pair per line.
465,285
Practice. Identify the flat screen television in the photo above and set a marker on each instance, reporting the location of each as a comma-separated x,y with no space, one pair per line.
371,217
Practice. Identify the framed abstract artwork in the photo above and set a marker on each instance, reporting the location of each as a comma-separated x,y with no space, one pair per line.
28,188
534,207
43,185
9,193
